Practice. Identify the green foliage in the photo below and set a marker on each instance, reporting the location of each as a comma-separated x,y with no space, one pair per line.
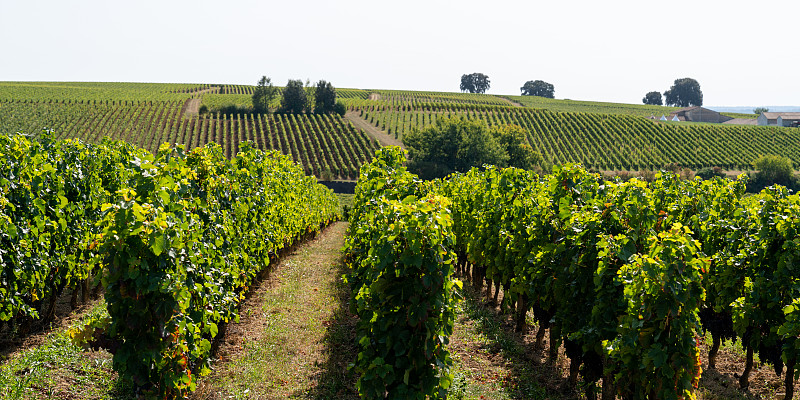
760,110
538,88
295,99
621,271
511,139
773,169
340,108
475,82
684,92
653,99
607,141
456,145
182,244
589,257
263,95
324,98
50,197
656,350
710,173
398,251
453,145
179,238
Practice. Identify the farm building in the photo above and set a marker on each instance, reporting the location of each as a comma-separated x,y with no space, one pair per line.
779,119
698,114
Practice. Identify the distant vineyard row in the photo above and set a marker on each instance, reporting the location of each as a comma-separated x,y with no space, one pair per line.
93,91
611,141
326,146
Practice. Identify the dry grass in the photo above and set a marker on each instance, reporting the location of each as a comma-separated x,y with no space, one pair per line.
295,337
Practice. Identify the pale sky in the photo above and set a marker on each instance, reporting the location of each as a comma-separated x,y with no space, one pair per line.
743,53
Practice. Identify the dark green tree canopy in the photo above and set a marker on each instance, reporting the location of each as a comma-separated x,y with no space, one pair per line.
263,95
653,99
538,88
324,98
457,144
512,140
294,98
684,93
475,83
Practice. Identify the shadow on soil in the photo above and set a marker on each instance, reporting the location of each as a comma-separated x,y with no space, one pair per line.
334,380
530,374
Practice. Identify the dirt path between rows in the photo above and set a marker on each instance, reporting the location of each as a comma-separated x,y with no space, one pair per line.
382,137
191,107
295,336
512,102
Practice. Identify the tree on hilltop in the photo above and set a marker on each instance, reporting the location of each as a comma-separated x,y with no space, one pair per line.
475,83
263,95
294,98
324,98
653,99
538,88
684,93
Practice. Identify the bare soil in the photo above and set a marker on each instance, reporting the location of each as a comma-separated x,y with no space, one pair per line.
512,102
191,106
382,137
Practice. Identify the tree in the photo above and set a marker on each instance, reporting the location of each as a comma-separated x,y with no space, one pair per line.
452,144
310,94
324,98
458,144
760,110
263,95
684,93
340,108
773,169
475,83
512,140
653,99
294,98
538,88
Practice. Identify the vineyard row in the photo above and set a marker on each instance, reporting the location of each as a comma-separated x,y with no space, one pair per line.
611,142
327,146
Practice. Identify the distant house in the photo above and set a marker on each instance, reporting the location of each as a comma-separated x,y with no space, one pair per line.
698,114
779,119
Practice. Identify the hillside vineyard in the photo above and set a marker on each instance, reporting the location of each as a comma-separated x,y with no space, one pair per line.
600,136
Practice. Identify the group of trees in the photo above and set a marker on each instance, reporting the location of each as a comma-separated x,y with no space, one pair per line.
479,83
685,92
458,144
297,98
